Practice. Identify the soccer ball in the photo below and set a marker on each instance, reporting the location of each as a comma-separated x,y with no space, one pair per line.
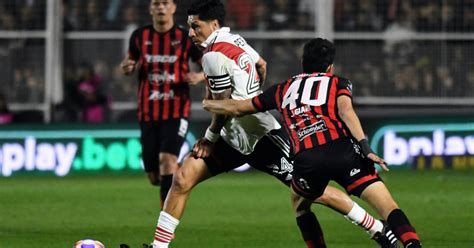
88,243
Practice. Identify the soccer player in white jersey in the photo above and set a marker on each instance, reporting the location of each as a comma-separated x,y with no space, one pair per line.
235,70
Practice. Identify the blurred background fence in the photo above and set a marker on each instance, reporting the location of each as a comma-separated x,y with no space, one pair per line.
412,54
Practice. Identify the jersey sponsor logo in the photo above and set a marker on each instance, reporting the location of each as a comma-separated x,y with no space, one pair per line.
354,172
156,95
160,58
319,126
161,77
300,110
304,118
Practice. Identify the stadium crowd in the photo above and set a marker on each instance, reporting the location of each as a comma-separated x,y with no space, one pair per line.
399,68
363,15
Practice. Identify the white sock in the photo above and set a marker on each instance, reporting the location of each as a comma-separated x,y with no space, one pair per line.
361,218
164,230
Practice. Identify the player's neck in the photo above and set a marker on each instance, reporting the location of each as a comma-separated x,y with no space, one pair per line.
162,27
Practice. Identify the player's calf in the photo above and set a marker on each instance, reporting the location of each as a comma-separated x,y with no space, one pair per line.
403,229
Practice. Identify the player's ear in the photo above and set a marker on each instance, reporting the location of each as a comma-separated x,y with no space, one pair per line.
215,25
173,7
330,68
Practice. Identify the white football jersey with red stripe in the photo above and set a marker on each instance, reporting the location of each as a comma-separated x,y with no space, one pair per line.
229,63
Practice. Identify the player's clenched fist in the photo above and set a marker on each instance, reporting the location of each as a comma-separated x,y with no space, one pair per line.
128,66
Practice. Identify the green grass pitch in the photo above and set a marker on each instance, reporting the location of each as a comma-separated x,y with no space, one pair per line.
232,210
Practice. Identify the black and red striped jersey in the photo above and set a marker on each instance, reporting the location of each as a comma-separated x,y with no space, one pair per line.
308,108
163,93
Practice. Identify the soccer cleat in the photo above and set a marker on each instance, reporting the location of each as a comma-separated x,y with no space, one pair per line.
386,238
124,246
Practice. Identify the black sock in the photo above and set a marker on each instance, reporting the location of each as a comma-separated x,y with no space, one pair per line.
405,232
166,181
311,230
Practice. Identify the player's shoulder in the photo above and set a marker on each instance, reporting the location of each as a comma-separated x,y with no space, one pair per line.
182,28
142,29
227,39
342,80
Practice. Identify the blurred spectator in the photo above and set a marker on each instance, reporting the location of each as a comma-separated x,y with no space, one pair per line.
444,77
428,16
69,18
470,84
93,16
94,104
28,85
6,116
7,20
282,15
306,16
241,14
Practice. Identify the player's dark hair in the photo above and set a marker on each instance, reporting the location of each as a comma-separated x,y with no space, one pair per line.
208,10
318,55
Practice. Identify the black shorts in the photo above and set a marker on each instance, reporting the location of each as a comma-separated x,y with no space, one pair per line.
339,160
270,156
163,136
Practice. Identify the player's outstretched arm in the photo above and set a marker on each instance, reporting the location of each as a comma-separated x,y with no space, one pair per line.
349,117
229,107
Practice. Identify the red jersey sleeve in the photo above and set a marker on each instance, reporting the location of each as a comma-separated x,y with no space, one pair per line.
344,87
134,45
266,100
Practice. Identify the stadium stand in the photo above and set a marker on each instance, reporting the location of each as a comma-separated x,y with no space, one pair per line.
398,53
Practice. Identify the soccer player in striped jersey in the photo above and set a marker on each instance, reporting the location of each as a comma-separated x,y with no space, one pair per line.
328,142
235,70
161,52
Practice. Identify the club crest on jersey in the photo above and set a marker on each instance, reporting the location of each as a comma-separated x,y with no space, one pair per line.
354,172
319,126
175,42
300,110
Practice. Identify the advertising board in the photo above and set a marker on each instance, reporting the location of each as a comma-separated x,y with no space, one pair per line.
426,145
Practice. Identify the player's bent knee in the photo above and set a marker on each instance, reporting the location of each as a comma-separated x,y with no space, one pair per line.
300,205
325,199
154,178
168,163
182,182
